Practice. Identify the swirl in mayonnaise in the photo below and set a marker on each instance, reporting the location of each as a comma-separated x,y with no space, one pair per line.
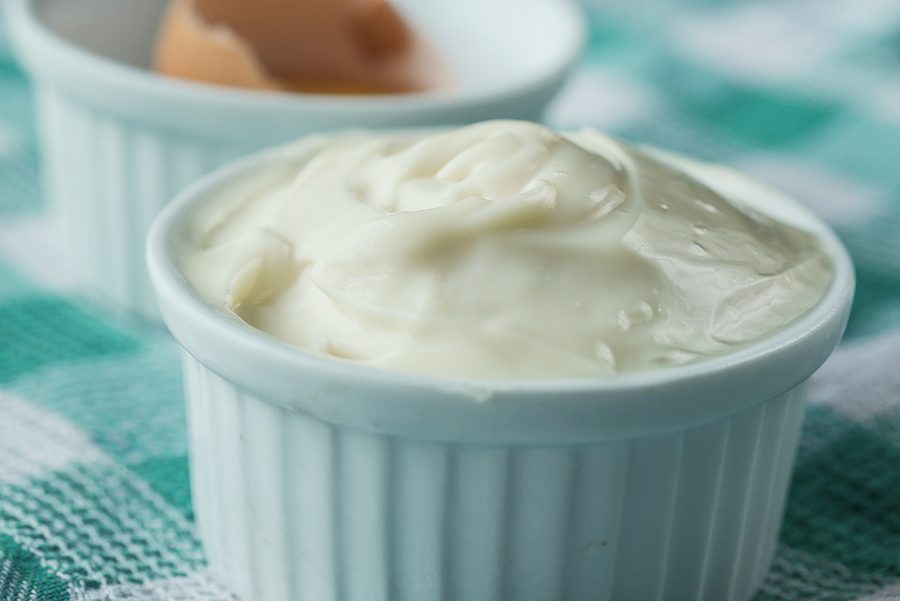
499,250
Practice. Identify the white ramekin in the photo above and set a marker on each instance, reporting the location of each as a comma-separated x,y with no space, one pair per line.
120,141
316,479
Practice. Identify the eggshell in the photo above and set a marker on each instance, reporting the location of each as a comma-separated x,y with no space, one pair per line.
318,46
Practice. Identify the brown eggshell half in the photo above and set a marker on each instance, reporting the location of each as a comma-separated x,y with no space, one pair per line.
317,46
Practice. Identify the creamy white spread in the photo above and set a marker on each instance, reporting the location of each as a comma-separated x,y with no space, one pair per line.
499,250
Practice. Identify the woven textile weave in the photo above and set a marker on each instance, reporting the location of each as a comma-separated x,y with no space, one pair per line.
94,495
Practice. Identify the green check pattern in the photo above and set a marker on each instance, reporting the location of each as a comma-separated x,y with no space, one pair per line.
94,496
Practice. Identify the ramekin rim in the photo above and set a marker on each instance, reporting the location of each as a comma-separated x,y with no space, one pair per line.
168,281
25,22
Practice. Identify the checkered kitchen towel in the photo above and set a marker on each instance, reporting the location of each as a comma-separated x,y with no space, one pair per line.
94,499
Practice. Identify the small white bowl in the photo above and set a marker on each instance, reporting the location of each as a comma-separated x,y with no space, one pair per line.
119,141
317,479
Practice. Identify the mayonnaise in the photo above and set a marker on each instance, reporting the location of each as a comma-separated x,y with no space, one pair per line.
499,250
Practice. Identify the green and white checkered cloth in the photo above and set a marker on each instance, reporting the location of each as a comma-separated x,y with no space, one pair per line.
94,496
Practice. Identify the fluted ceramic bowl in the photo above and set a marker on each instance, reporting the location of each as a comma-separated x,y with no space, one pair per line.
119,141
317,479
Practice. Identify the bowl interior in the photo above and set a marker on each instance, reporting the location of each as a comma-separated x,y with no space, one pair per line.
537,35
122,30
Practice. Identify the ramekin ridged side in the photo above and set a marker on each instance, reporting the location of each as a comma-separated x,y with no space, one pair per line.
108,176
293,508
